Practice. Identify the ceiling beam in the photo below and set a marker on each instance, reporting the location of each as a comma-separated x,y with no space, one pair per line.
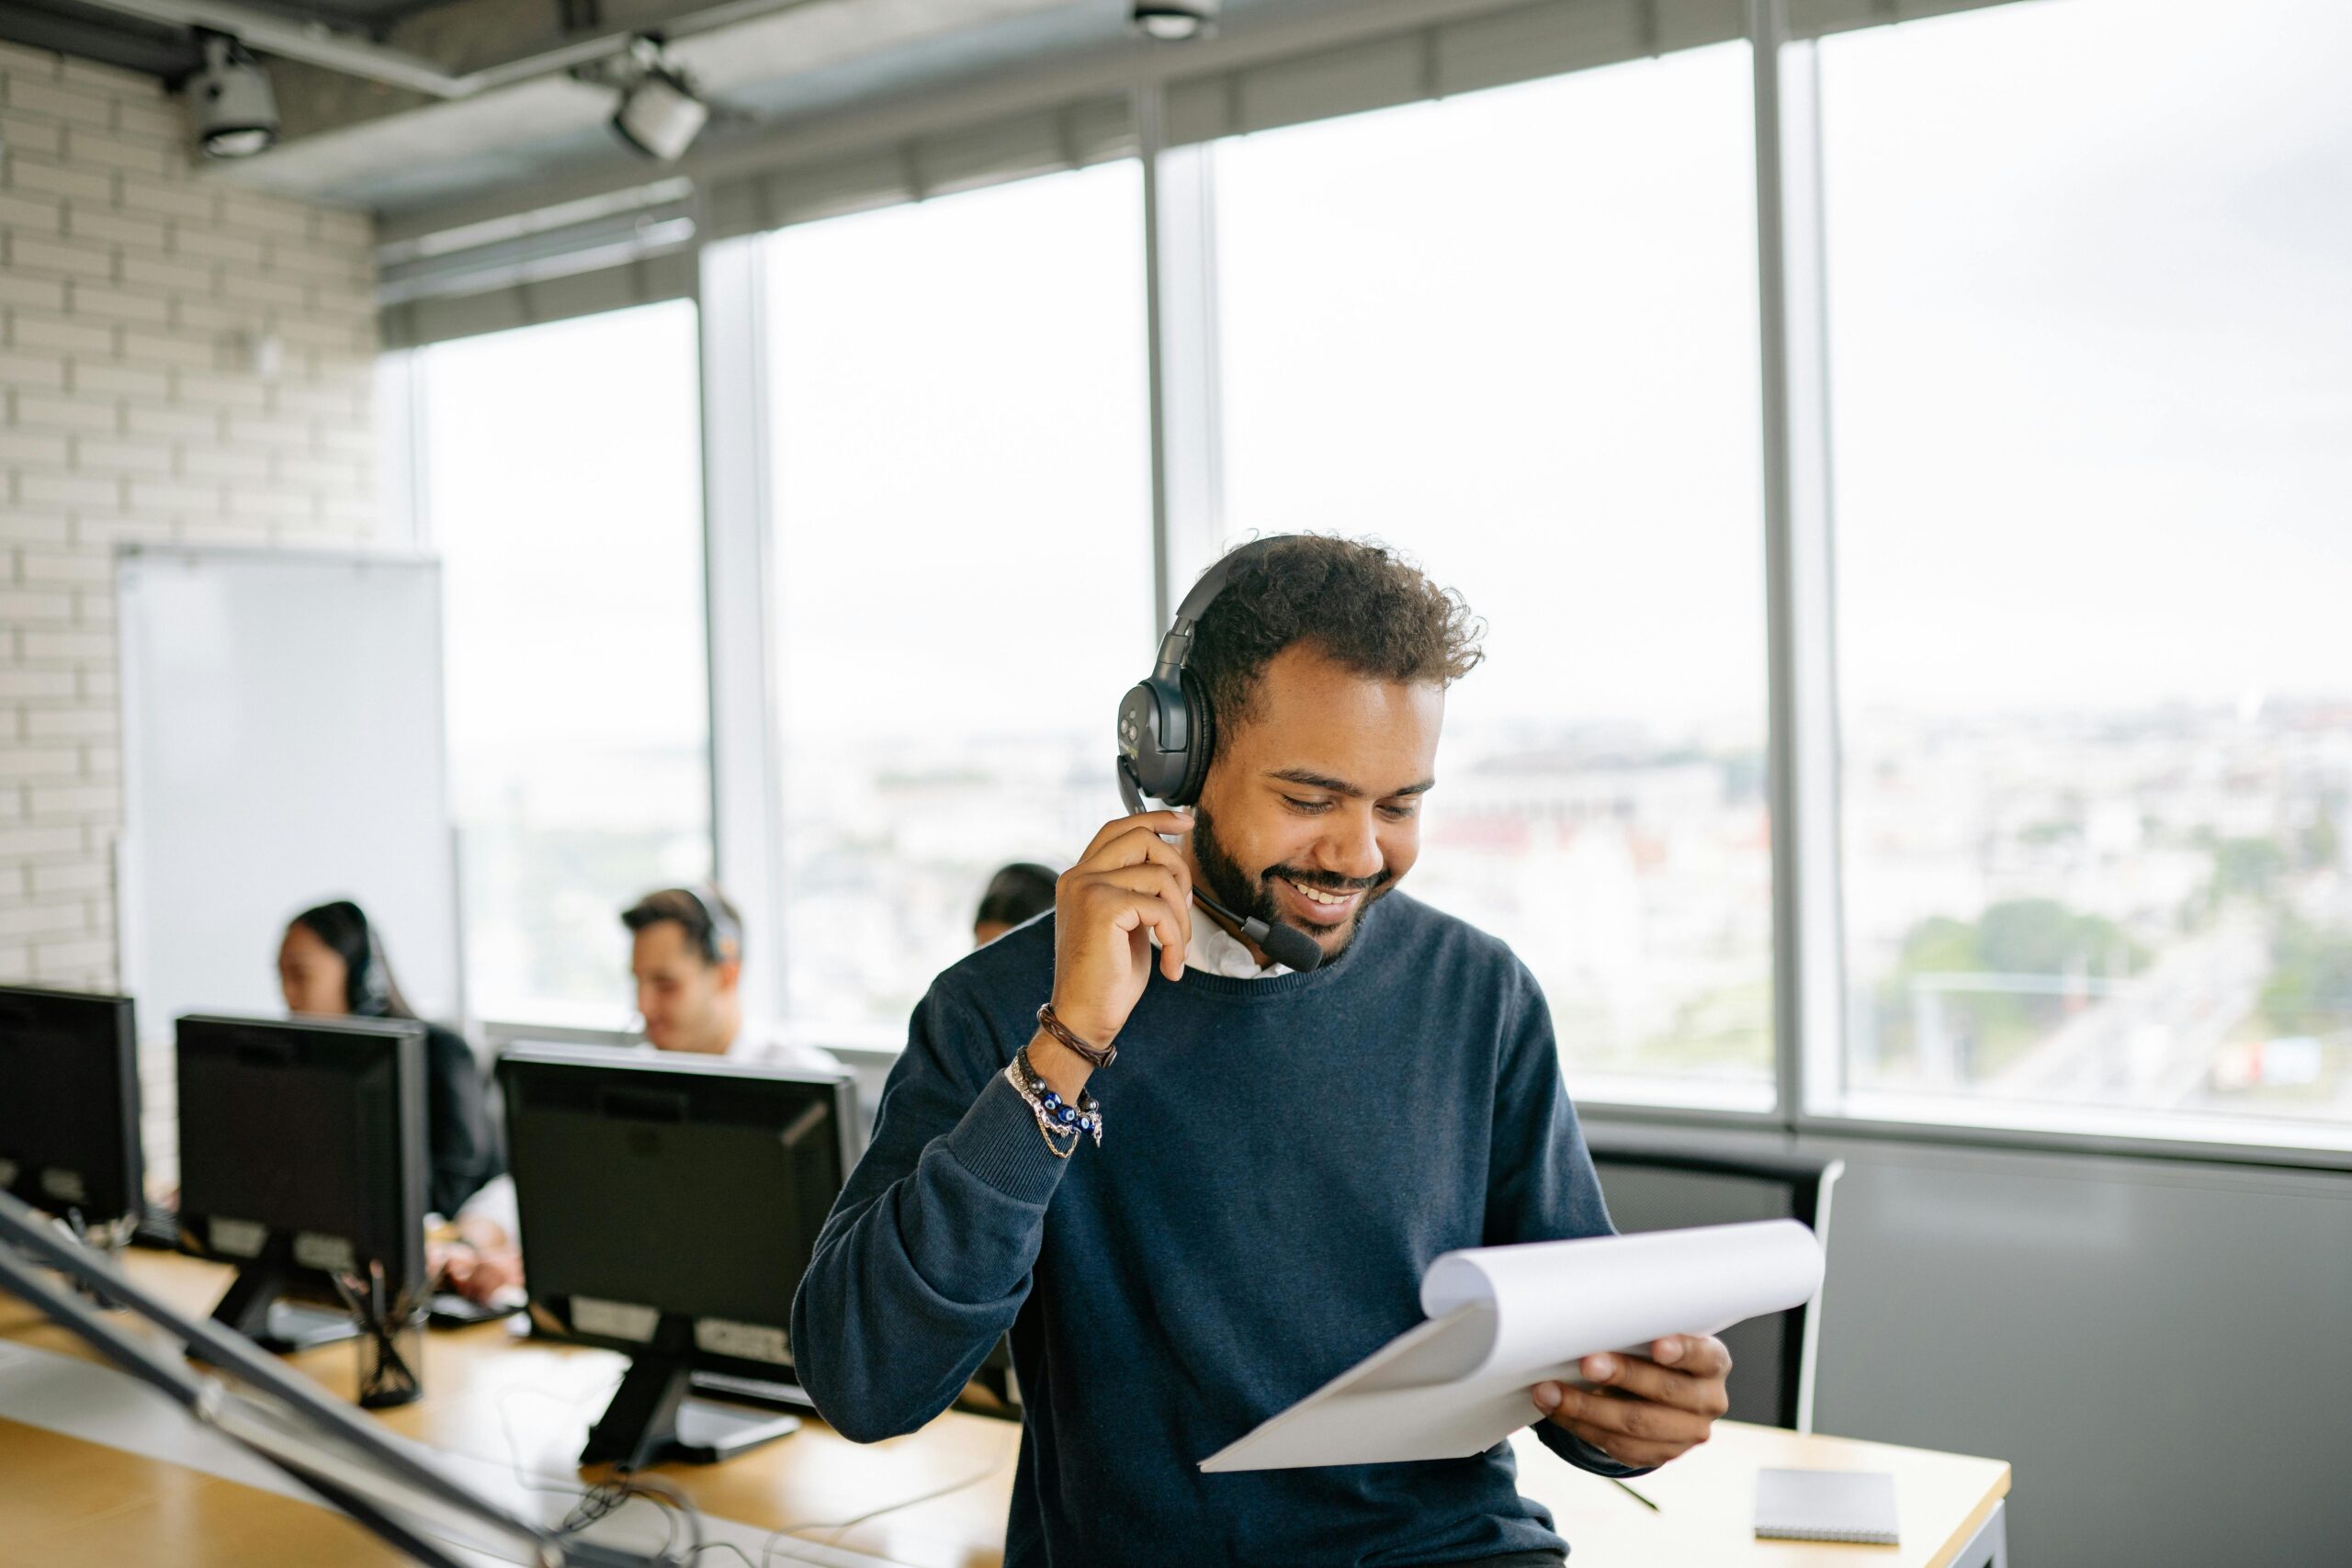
1120,64
422,70
339,132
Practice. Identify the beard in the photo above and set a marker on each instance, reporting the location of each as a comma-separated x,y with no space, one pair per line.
1253,896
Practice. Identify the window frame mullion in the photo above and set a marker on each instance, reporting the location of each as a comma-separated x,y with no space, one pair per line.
1808,981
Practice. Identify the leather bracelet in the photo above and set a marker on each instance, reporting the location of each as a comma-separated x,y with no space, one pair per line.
1096,1056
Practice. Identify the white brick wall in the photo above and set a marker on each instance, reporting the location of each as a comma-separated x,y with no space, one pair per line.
131,291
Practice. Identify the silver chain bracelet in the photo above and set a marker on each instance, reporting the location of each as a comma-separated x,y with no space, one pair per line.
1056,1118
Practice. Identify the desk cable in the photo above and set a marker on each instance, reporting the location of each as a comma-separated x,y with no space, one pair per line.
777,1538
601,1500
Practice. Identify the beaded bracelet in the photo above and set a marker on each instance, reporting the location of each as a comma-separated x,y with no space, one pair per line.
1047,1128
1054,1115
1056,1118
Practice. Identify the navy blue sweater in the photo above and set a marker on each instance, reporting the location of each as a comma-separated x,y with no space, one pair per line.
1283,1158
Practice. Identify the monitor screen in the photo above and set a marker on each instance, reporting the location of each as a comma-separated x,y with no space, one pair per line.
673,1202
305,1139
69,1103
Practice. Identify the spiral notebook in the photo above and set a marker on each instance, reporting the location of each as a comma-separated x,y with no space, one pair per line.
1825,1505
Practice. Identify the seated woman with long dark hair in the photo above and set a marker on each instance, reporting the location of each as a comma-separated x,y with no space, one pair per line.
330,963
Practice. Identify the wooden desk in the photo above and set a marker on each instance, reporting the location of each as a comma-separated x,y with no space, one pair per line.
1946,1503
528,1404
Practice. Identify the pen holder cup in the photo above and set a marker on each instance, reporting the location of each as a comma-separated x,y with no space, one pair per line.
391,1360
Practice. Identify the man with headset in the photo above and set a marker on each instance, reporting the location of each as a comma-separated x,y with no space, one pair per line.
686,957
1306,1093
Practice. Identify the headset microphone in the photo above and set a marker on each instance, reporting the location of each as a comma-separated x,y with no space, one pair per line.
1166,732
1293,948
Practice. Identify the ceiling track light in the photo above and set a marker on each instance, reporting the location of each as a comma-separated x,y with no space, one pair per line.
1174,21
230,99
660,111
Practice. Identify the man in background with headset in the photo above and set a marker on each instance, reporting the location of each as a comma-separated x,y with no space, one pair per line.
1314,1087
686,956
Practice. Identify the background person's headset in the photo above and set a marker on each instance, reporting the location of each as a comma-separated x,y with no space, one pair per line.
722,934
1167,734
366,984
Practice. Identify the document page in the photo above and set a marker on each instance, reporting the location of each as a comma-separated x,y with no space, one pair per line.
1502,1319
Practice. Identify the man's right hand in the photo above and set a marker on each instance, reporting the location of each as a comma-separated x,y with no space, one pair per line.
1128,886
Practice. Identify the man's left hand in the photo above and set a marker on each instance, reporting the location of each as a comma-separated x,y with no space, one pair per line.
1639,1412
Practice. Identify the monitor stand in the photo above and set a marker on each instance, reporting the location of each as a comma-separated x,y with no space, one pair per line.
651,1419
253,1307
299,1326
766,1393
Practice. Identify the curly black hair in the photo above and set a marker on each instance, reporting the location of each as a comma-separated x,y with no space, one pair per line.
1359,602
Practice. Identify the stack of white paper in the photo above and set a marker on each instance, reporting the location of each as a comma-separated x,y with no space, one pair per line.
1503,1319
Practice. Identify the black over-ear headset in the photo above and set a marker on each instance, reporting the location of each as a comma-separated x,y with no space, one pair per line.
366,986
1167,733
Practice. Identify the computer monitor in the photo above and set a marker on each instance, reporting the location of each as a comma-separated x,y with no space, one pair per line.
302,1162
670,1204
69,1105
1659,1181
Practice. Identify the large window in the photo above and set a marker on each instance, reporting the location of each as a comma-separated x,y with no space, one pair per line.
2092,341
2089,376
963,564
563,491
1514,333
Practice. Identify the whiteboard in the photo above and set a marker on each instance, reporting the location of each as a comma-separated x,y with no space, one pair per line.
282,745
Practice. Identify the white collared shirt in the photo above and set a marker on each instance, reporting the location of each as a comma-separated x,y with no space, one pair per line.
1215,951
768,1052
